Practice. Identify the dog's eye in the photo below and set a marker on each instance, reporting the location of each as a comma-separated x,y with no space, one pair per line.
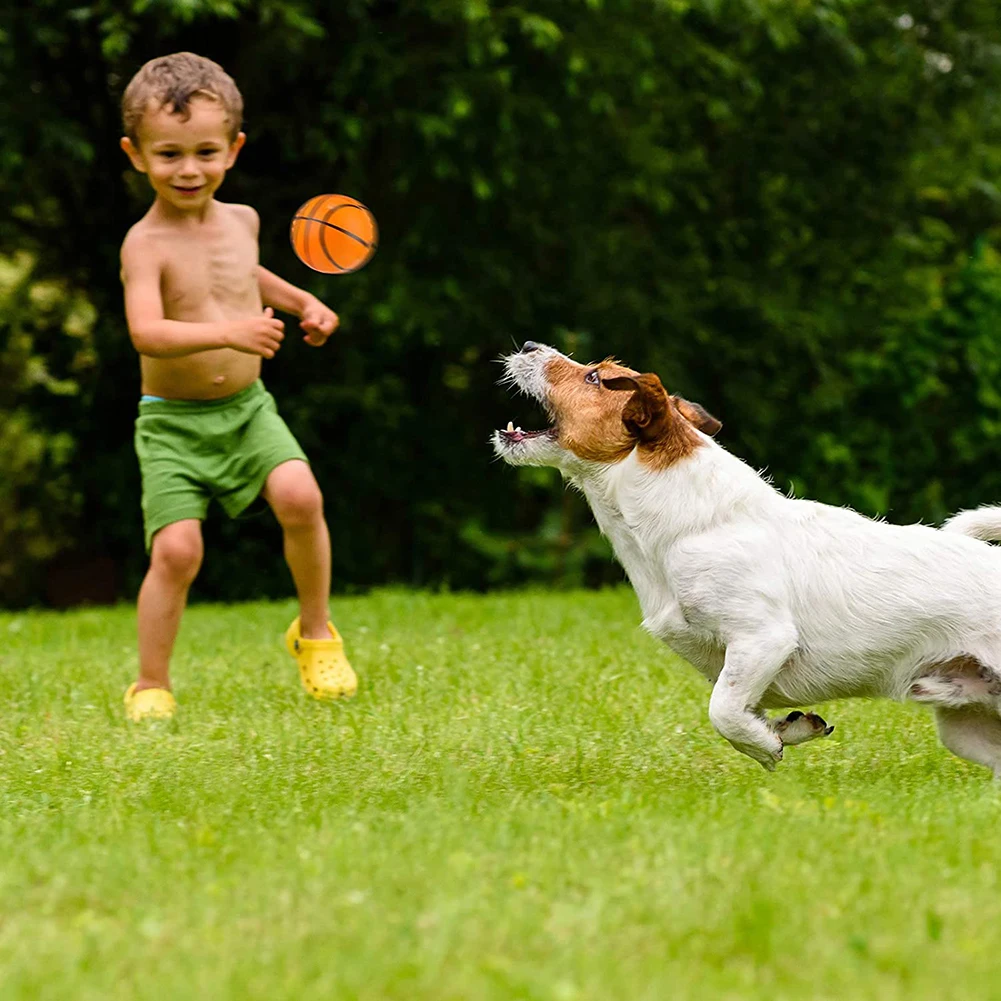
592,377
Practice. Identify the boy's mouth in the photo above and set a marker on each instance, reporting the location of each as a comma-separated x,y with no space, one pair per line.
188,191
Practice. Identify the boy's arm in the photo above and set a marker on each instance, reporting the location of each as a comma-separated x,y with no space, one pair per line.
319,321
275,291
281,294
157,337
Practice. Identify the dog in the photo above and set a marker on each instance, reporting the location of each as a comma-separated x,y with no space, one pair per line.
778,601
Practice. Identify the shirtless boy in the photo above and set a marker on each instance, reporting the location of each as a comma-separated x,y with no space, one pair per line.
200,314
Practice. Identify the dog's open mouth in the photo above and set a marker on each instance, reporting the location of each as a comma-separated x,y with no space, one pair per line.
513,434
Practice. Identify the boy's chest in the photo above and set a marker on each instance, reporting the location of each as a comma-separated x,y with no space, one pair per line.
220,269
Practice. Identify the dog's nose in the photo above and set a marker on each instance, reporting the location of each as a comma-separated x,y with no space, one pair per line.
529,346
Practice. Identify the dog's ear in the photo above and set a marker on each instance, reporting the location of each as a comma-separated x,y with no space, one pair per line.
697,415
648,411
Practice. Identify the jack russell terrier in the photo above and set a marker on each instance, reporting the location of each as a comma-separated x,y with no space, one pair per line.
777,601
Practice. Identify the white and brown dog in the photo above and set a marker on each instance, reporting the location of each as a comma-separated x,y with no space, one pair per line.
778,602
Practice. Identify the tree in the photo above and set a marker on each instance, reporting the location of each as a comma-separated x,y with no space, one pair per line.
774,206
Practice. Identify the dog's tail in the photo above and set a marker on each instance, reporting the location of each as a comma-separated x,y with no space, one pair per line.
980,523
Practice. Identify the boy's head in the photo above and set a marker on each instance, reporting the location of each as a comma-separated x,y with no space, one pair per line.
182,115
171,82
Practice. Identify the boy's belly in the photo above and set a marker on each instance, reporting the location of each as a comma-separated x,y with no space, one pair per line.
208,375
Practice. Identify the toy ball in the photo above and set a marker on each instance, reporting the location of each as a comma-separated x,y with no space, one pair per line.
334,234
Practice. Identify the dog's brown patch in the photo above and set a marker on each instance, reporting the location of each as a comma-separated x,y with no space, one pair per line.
588,417
599,422
664,435
697,415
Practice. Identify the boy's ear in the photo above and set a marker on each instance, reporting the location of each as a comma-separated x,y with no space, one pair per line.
133,154
697,415
647,412
234,148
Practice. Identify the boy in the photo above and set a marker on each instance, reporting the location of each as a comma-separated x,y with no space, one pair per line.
194,301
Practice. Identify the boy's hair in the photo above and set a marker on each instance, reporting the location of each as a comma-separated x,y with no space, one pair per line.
175,79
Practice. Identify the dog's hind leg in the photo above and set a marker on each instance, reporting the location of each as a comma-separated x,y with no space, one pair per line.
953,684
973,734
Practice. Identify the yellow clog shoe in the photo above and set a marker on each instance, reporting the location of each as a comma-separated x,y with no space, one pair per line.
323,667
150,703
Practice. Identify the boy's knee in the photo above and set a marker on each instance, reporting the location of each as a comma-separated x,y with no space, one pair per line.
178,552
299,503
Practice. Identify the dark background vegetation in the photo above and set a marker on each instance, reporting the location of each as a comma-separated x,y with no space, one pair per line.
789,210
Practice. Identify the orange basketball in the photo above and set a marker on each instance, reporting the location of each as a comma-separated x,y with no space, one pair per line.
334,234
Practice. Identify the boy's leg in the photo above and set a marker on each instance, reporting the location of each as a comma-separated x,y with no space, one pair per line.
175,558
295,498
316,645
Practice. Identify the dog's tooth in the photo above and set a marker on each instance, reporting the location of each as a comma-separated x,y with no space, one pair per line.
510,425
517,429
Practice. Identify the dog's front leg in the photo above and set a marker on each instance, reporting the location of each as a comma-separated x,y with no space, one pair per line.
749,668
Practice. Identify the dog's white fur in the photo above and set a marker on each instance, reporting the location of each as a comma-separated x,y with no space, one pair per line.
783,602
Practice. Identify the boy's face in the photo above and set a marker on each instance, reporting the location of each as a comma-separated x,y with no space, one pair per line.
185,160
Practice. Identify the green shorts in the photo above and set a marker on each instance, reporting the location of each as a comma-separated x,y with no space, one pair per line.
193,450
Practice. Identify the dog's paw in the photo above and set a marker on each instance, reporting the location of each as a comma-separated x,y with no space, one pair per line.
799,727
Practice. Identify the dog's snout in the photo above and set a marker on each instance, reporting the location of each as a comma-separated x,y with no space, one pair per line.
529,346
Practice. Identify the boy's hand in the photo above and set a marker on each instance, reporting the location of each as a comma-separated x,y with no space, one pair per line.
258,335
318,321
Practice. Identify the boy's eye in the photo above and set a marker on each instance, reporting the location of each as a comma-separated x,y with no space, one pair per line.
167,154
207,152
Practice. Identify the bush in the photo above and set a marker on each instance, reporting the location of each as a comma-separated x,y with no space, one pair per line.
787,210
45,344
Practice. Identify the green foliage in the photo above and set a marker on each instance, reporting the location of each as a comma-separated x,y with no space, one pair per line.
789,210
44,345
925,399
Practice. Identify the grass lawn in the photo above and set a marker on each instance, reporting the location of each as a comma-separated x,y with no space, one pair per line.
526,800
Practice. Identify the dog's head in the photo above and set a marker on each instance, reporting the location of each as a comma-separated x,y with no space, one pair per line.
600,413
